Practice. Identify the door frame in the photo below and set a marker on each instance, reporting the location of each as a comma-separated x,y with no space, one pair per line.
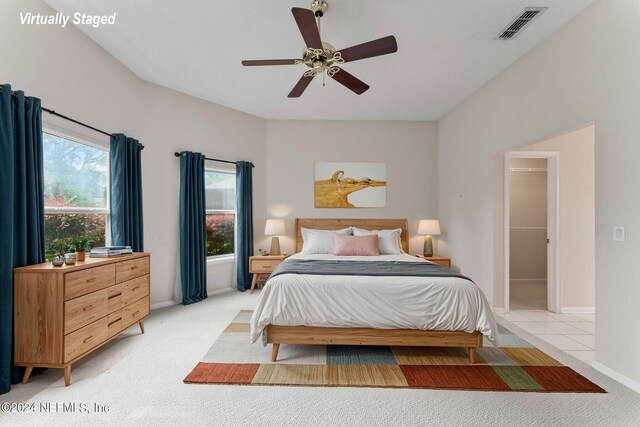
554,286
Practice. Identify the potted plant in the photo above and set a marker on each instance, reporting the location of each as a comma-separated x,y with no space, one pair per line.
80,245
56,252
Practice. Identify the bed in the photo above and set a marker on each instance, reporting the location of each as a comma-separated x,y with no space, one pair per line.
370,310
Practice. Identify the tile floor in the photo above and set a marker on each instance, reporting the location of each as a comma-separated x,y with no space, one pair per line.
571,333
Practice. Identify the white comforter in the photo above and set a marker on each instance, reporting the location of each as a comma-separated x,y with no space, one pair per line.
441,303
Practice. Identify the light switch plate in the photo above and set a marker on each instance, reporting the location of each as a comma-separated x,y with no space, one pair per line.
618,233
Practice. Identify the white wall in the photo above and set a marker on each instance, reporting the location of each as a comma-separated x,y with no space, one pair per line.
407,148
589,71
74,76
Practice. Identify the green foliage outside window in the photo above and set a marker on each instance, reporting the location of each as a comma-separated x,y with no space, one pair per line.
220,234
75,178
75,174
220,201
73,226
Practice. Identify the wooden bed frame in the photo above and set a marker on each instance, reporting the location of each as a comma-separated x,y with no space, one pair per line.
277,335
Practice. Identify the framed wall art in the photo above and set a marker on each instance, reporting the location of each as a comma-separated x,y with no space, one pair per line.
350,185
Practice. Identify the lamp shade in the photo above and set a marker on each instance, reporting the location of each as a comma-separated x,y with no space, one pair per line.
429,227
274,227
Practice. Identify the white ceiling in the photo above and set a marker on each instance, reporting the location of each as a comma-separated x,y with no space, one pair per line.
446,51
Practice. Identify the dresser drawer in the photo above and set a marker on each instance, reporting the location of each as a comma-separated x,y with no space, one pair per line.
115,298
84,339
133,290
135,312
128,270
264,266
115,323
89,280
84,310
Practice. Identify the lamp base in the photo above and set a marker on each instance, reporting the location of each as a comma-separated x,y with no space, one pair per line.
275,246
428,246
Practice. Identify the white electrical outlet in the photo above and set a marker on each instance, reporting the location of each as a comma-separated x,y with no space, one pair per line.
618,233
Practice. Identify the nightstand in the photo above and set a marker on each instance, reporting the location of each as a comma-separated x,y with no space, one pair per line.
262,267
445,262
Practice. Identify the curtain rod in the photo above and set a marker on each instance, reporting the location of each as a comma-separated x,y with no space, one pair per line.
62,116
207,158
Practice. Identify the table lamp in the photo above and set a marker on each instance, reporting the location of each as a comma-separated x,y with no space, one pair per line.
428,228
275,228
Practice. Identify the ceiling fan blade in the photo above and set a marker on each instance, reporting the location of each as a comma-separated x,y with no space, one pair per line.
254,62
300,87
349,81
370,49
306,21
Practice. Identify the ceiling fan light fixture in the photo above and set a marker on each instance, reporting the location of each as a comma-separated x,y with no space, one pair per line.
321,57
319,7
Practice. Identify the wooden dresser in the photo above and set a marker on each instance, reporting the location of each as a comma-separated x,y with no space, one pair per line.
62,314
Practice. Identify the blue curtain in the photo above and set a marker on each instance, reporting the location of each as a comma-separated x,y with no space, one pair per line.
126,192
244,220
193,234
21,209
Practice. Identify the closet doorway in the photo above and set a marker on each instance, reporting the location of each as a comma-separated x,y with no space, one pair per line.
531,231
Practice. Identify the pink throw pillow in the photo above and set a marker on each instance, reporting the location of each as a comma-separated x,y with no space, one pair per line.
344,245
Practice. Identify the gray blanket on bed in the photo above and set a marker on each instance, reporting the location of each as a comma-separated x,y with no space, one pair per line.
364,268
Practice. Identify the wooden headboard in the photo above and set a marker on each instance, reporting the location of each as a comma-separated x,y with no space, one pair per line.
338,223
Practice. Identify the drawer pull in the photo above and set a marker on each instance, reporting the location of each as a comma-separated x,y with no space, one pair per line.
86,340
137,287
114,322
135,313
89,307
115,296
133,267
91,280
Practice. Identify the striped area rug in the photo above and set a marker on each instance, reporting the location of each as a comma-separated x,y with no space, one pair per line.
515,365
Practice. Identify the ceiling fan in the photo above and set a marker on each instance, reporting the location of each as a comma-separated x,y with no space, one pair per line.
322,57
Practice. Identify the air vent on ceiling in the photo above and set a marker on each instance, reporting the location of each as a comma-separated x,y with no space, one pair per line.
515,26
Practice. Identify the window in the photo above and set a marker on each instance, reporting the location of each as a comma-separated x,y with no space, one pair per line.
220,201
76,188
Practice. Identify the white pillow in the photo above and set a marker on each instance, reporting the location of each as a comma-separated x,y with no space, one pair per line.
320,241
389,242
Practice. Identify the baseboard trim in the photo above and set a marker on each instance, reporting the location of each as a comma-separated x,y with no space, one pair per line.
169,303
563,310
164,304
624,380
220,291
578,310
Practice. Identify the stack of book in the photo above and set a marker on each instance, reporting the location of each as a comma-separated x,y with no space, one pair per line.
109,251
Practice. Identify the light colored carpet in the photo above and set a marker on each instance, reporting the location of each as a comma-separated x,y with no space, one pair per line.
140,377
